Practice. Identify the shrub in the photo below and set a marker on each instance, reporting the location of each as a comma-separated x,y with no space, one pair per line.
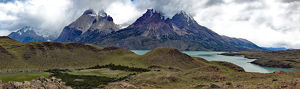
101,86
229,83
216,80
119,67
275,79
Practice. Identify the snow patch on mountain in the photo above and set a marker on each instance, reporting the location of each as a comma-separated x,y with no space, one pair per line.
101,13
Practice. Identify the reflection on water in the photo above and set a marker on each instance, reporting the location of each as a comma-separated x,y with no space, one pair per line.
238,60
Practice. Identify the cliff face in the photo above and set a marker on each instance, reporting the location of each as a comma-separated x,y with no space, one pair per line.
88,27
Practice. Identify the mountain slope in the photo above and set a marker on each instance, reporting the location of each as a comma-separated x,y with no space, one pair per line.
87,27
182,32
30,34
242,42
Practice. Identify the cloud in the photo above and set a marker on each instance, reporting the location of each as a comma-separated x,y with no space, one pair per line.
264,22
290,1
213,2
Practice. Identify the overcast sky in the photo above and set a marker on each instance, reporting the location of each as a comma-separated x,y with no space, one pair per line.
267,23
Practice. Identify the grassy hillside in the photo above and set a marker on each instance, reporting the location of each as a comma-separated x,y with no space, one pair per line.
18,56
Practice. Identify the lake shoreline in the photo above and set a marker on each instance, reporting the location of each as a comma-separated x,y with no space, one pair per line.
238,60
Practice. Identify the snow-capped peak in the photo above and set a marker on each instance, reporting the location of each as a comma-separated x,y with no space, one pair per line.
32,30
102,13
25,29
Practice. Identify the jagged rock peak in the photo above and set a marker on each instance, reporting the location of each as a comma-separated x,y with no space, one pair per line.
109,18
102,13
184,14
151,12
89,12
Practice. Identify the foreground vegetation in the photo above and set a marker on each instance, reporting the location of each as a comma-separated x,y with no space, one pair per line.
83,81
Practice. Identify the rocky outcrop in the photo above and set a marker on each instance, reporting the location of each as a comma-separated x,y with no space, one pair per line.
39,83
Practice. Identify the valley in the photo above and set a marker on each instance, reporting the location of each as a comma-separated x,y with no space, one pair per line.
168,67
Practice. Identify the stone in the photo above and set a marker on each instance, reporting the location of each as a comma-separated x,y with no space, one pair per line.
278,72
59,80
213,85
41,88
53,78
51,86
284,86
69,88
38,83
42,79
27,84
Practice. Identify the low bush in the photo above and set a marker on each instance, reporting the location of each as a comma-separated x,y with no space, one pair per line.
119,67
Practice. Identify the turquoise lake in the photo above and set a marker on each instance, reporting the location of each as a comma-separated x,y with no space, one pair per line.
238,60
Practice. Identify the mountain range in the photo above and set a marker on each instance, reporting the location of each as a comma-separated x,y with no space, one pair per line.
31,34
150,31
